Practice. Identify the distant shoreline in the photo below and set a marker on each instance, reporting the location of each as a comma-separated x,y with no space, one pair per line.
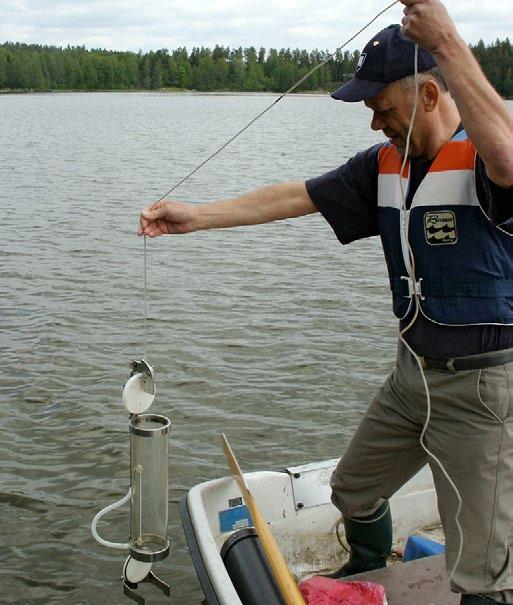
212,93
34,68
309,93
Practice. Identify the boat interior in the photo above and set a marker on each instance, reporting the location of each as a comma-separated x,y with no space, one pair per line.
296,505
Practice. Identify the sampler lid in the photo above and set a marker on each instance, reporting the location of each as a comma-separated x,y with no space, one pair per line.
136,571
139,390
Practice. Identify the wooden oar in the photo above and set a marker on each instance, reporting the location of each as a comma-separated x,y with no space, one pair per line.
286,583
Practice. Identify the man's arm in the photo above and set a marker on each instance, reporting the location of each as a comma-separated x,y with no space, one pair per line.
485,116
272,203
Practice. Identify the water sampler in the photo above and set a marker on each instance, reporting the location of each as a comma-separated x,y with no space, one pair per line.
148,492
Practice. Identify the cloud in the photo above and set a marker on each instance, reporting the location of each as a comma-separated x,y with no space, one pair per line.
131,25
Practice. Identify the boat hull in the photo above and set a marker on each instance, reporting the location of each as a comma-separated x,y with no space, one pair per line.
303,520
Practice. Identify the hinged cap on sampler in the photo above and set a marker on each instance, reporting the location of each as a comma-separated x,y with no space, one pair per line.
148,493
139,390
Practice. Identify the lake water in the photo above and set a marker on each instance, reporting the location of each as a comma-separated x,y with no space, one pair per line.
275,335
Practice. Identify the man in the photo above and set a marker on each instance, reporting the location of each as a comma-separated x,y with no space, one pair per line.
452,291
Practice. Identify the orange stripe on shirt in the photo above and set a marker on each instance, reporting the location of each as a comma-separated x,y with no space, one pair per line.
390,161
455,155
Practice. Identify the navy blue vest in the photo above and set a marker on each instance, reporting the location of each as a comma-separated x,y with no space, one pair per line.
463,264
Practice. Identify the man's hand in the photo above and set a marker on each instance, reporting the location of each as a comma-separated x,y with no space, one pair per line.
487,120
166,218
428,23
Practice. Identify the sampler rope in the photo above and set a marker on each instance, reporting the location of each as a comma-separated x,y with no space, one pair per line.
291,89
145,328
236,135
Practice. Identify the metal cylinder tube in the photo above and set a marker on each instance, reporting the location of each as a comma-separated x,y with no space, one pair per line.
149,454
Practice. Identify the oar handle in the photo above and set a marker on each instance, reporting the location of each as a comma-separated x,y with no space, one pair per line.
286,583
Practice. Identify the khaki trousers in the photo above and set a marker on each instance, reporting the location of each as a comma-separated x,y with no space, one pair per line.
471,433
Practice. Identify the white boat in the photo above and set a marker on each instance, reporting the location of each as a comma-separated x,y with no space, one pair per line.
296,504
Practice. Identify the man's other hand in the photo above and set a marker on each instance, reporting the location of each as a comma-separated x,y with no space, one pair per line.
428,23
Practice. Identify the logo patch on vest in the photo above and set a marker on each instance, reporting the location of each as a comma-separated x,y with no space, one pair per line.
440,227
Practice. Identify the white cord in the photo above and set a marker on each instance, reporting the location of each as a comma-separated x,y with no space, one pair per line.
104,511
416,298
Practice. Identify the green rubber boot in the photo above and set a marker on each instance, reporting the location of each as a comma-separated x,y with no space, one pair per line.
370,542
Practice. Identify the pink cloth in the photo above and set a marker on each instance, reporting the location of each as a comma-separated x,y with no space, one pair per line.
325,591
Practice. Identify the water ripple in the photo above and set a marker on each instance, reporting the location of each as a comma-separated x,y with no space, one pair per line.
273,334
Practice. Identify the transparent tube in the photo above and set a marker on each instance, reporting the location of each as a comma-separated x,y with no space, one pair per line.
149,454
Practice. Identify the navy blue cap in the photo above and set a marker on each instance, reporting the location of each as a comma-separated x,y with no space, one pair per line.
388,57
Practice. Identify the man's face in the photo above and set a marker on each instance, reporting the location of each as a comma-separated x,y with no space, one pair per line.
392,110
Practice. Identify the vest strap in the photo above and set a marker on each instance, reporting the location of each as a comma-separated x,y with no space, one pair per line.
453,288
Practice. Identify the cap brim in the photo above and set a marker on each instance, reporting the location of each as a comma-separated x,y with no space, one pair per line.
358,90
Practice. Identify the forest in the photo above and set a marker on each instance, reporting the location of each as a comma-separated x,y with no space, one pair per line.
32,67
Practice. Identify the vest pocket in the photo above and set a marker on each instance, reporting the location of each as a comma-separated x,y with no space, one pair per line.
494,390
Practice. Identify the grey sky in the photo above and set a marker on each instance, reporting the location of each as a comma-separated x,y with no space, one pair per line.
150,25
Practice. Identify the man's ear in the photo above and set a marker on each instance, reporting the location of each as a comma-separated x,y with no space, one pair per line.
430,95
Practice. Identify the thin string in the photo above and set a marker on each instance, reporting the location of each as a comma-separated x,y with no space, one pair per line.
145,300
287,92
236,135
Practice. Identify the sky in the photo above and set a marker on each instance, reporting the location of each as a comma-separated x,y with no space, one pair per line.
155,24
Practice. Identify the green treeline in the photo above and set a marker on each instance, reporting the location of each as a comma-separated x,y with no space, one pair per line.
35,67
